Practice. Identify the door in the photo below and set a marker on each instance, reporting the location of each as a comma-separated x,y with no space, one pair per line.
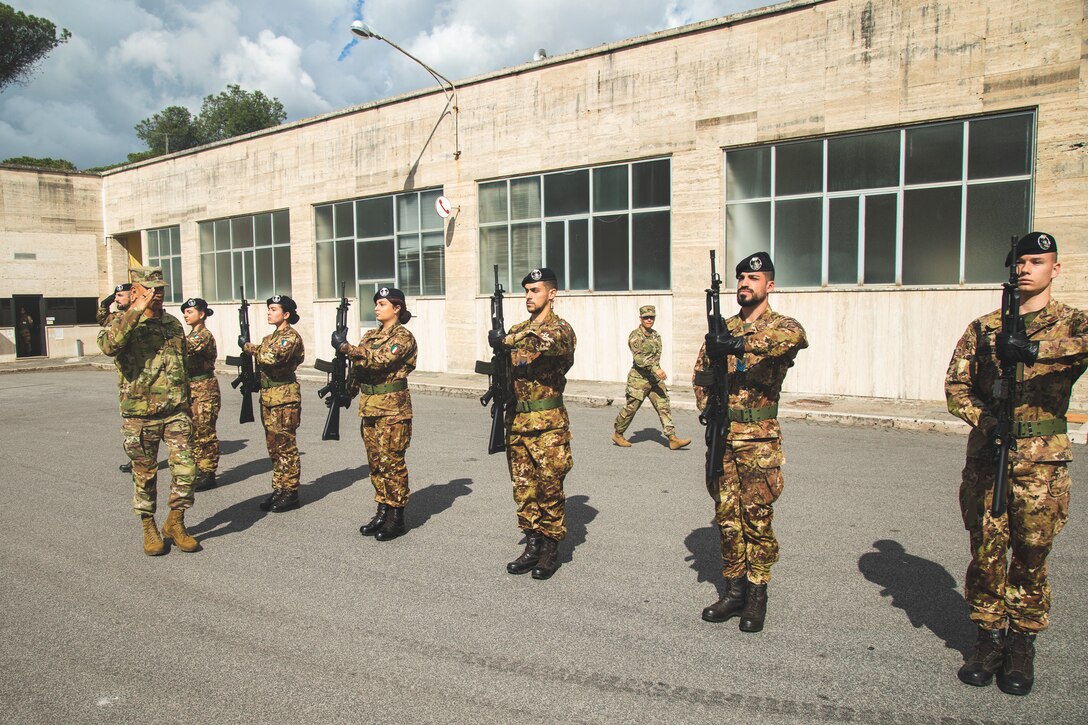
29,326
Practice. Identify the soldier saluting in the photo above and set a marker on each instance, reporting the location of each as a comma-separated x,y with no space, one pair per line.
1050,351
761,346
103,316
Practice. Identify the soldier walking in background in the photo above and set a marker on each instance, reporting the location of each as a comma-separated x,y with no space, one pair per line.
103,316
205,401
148,347
1050,350
381,364
538,447
277,358
761,346
646,378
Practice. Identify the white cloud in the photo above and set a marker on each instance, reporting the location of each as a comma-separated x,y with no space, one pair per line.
272,65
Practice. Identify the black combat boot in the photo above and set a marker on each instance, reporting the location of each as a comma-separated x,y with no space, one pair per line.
375,523
287,500
393,526
528,559
549,558
1018,673
755,608
985,661
731,603
125,467
267,504
204,481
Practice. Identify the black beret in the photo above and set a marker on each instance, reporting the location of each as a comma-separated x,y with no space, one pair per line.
123,287
1034,243
286,303
198,303
543,274
758,262
390,293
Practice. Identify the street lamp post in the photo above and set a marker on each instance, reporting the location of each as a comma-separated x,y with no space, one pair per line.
363,30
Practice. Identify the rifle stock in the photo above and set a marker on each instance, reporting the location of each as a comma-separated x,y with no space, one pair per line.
336,392
1005,385
500,390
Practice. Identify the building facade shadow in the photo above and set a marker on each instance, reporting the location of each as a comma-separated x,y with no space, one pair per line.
923,589
426,503
578,515
705,556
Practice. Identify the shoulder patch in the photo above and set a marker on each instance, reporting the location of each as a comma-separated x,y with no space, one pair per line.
394,348
283,342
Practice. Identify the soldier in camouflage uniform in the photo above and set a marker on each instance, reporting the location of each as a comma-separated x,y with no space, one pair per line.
204,396
646,378
761,346
277,358
148,347
1051,353
538,445
381,364
103,317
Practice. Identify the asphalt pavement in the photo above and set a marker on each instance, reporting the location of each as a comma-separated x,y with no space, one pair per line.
295,617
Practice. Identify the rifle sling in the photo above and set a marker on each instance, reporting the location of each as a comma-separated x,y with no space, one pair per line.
393,387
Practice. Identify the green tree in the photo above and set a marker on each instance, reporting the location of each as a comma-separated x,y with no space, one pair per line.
59,164
171,129
235,112
24,41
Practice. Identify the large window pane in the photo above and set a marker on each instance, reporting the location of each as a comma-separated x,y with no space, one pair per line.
525,198
650,183
153,246
175,240
176,284
266,276
225,289
222,235
748,173
433,263
429,218
375,217
407,214
566,193
525,248
931,236
842,240
1000,147
207,236
747,230
995,212
281,230
650,250
555,248
610,188
799,168
323,222
241,230
864,161
610,255
881,213
493,202
326,269
262,230
344,219
408,263
377,260
345,265
578,250
281,258
798,245
934,154
494,249
208,289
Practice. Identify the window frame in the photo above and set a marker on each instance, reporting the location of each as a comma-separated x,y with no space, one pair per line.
232,253
175,282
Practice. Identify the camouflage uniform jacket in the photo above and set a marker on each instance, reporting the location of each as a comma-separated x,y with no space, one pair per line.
200,352
542,353
646,353
277,358
1042,390
382,357
771,342
150,357
103,316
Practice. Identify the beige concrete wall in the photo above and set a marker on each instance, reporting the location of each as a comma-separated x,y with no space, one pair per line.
799,70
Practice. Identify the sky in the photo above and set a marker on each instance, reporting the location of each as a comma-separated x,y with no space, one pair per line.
129,59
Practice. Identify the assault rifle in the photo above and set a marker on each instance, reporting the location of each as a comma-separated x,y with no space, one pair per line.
247,375
335,392
500,389
1004,440
715,382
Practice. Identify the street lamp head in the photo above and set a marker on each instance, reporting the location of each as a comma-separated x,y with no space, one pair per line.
358,27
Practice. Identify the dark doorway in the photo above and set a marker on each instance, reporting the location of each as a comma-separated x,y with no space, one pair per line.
29,325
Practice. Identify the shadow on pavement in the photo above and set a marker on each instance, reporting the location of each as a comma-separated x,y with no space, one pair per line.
433,500
578,515
649,434
706,556
228,447
249,469
923,589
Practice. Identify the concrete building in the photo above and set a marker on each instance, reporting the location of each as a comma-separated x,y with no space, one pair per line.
883,152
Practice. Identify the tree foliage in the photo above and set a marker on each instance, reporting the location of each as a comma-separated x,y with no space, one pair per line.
59,164
24,41
232,112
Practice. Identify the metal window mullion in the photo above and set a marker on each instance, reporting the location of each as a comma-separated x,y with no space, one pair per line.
900,206
862,201
630,229
825,242
774,186
963,205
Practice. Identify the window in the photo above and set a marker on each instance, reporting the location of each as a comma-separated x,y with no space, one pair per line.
246,254
70,310
164,250
924,205
365,244
605,228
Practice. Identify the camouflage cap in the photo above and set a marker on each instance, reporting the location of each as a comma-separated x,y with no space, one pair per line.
150,277
647,311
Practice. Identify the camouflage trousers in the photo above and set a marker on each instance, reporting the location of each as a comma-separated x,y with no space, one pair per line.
142,437
385,442
998,587
659,398
280,424
204,410
750,483
538,463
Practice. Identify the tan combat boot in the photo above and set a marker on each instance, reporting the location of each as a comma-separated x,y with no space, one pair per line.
678,443
174,528
620,441
153,545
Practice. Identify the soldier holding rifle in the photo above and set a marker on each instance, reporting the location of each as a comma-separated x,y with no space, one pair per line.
382,361
1045,345
758,346
200,355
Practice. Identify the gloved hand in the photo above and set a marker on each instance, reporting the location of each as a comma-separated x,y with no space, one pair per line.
105,304
1016,348
242,342
339,339
495,338
723,344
